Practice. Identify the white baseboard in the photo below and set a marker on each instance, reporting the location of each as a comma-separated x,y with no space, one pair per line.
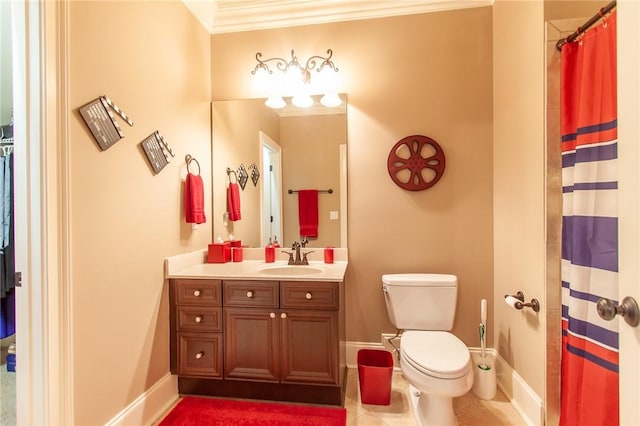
526,402
149,406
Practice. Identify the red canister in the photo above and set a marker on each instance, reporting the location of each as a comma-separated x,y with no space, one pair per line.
270,254
328,255
237,254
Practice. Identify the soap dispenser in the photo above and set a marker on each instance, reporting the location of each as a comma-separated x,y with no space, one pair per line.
270,253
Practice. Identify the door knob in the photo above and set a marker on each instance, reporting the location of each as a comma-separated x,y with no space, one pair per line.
628,309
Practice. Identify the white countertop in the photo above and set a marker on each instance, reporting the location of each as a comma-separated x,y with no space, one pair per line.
193,266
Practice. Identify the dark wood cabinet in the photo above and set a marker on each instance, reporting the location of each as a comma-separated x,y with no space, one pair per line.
196,328
283,340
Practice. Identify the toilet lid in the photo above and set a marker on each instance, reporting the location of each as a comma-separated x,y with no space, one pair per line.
436,353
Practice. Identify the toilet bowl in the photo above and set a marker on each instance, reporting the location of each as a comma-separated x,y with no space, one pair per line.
438,367
436,363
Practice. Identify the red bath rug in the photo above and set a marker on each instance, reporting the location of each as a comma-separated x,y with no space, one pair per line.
192,411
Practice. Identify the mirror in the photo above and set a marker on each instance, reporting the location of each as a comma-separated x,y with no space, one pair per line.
292,149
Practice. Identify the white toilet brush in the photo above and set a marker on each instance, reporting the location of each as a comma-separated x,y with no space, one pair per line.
484,382
483,333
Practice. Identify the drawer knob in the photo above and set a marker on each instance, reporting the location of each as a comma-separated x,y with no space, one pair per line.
197,293
283,315
308,296
199,355
198,319
272,315
249,294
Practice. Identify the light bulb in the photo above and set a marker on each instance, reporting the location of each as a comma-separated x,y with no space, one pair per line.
331,100
261,80
302,101
275,102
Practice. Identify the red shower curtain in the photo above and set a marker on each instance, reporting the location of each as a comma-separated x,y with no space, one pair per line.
589,370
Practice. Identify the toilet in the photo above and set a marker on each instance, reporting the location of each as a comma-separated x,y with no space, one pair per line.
436,363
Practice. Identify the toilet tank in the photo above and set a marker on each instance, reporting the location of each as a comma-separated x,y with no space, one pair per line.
421,301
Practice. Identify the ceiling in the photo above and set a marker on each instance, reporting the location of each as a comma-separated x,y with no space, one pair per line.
225,16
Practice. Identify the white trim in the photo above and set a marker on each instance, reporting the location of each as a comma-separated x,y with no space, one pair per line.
149,406
343,195
33,391
255,15
55,213
525,401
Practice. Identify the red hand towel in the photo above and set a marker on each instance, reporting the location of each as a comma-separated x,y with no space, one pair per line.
308,212
233,202
194,199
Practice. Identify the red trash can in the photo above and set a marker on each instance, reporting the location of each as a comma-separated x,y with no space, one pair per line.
375,368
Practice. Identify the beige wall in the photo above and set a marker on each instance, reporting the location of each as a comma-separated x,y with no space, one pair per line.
520,202
408,75
518,185
153,60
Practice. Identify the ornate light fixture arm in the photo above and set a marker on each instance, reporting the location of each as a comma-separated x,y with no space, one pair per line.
284,66
326,62
280,63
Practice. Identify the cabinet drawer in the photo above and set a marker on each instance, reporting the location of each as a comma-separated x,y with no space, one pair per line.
262,294
200,354
309,295
198,292
202,319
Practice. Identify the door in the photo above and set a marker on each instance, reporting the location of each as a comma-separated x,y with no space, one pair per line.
629,192
310,345
251,344
271,195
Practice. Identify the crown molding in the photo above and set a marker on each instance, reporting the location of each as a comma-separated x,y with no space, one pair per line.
225,16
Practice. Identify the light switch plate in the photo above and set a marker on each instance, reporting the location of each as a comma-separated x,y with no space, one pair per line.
333,215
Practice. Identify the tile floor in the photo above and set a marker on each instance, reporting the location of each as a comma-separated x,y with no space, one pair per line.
470,410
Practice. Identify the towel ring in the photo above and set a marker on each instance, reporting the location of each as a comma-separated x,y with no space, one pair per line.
229,173
188,159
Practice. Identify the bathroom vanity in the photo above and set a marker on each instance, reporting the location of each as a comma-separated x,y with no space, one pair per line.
260,331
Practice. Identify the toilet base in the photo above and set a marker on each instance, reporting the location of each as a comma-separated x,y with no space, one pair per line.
432,410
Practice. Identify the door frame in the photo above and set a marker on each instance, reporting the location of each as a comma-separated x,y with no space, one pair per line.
41,116
629,202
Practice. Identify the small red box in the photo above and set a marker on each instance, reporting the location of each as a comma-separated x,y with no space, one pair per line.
219,253
375,371
236,254
235,243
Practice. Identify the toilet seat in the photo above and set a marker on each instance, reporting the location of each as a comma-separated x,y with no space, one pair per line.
436,353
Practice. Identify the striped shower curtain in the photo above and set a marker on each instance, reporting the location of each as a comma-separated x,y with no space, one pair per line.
589,370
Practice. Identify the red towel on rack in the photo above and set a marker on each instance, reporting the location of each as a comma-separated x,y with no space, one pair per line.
194,199
308,212
233,202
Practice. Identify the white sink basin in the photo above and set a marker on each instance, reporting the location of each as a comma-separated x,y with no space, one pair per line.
291,270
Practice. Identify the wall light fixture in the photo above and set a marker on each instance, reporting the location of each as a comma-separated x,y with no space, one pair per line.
278,77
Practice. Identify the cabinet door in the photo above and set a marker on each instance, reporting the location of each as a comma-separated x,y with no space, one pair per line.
310,345
251,341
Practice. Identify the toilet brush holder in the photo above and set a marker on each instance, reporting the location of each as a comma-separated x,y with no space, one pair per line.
484,381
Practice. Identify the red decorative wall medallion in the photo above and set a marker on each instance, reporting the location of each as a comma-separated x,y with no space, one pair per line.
416,163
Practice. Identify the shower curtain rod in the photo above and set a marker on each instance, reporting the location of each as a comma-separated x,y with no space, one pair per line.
595,18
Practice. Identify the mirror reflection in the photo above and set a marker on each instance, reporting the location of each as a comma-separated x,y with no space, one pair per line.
292,149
